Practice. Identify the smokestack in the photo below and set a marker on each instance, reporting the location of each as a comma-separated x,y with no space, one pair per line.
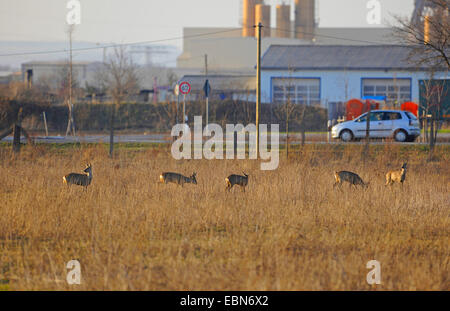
426,29
262,15
304,19
248,17
283,21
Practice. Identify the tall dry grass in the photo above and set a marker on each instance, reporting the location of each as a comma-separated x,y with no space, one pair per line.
290,230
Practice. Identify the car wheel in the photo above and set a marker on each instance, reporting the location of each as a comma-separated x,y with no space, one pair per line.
400,136
346,135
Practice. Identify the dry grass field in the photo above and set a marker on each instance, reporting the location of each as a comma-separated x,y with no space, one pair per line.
290,230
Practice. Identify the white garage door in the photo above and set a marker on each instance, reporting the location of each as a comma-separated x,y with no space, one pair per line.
397,91
297,90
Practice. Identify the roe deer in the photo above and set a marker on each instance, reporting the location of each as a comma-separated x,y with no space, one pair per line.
396,176
178,179
350,177
79,179
236,180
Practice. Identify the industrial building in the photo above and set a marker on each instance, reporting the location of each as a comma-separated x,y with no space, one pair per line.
86,74
52,72
323,74
233,50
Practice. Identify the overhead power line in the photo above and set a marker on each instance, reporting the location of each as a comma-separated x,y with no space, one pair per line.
184,37
117,45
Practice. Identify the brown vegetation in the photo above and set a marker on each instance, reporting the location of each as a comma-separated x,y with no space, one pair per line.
289,231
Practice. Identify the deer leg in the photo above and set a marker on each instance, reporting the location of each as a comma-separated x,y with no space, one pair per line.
339,184
388,181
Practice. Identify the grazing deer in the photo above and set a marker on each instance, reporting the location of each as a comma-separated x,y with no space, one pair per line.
350,177
236,180
396,176
79,179
178,179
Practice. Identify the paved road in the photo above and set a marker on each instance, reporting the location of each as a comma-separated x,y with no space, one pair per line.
320,138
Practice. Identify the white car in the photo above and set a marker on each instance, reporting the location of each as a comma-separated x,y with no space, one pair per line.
398,124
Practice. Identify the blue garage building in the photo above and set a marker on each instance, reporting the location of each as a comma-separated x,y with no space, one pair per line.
324,74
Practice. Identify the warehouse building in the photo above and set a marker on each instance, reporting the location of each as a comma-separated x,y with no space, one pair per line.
322,74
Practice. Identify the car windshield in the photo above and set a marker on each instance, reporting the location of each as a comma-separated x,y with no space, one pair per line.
362,118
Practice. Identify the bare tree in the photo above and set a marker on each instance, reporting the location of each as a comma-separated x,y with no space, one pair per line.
119,75
302,122
434,94
288,108
428,35
365,152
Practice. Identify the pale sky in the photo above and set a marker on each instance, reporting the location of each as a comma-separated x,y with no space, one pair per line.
124,21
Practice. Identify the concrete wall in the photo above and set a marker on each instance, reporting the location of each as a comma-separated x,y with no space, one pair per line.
51,73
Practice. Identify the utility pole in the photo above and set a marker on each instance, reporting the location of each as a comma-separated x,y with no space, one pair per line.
206,64
258,85
178,104
70,123
366,147
184,108
70,85
207,95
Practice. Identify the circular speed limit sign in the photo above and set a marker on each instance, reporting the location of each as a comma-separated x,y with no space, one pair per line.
185,88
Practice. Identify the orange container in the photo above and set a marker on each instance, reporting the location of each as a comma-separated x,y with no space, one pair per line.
411,107
355,108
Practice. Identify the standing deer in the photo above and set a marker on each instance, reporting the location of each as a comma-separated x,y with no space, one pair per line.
350,177
396,176
79,179
178,179
236,180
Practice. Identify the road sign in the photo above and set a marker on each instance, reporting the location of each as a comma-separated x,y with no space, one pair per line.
207,88
185,88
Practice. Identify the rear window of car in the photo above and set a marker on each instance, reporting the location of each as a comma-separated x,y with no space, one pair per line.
411,115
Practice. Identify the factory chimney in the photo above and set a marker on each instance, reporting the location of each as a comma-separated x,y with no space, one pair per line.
283,29
262,15
248,17
304,19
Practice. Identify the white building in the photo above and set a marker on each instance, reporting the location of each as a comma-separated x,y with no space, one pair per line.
321,74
